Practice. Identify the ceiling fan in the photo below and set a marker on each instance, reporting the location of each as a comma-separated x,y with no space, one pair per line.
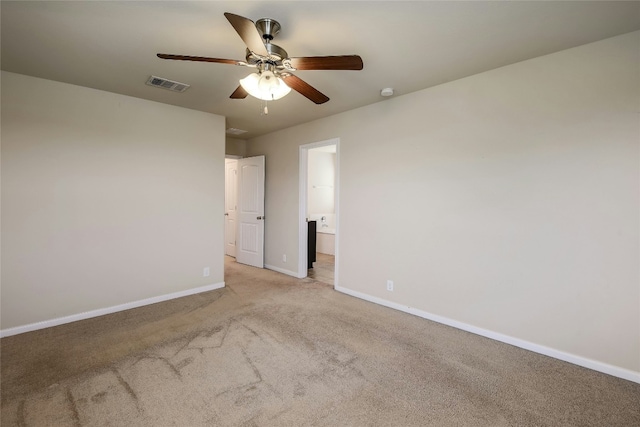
274,78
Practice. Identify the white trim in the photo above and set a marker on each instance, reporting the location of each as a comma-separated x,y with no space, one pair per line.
336,249
283,271
302,213
108,310
302,208
536,348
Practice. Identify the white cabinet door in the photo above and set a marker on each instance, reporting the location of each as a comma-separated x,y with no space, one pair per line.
250,216
230,206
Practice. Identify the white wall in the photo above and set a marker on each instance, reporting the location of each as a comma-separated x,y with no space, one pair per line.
321,183
106,199
235,147
508,201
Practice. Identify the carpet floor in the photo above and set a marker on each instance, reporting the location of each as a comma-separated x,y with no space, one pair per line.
272,350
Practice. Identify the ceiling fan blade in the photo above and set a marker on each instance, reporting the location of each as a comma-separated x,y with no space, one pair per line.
248,32
200,59
344,62
304,88
239,93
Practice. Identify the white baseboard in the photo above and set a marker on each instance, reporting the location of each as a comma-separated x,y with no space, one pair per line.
283,271
536,348
108,310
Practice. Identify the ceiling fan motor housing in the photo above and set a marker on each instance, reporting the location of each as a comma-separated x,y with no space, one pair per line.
276,54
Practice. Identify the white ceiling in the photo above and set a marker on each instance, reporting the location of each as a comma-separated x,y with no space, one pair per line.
408,46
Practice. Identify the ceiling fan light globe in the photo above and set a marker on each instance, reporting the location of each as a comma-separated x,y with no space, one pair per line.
267,87
282,89
268,82
250,84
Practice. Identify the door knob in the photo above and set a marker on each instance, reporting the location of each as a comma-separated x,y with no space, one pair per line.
260,217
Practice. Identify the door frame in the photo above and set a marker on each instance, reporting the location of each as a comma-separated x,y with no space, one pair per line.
302,211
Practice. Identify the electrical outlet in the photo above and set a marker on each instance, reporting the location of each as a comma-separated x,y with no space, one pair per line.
390,285
206,272
284,258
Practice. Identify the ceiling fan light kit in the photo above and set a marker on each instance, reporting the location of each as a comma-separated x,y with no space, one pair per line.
273,79
266,86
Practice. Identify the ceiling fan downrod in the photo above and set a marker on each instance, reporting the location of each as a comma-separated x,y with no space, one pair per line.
268,27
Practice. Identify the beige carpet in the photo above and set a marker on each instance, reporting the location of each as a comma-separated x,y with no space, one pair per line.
270,350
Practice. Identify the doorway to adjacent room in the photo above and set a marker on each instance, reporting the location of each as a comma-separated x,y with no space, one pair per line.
319,204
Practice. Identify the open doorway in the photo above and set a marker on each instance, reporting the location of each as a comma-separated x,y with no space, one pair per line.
319,210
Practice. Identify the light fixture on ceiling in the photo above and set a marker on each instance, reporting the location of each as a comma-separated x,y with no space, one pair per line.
265,56
265,85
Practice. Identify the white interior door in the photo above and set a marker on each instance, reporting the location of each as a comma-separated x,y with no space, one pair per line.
230,206
250,214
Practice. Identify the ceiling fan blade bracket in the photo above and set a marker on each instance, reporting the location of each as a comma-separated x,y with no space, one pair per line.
287,65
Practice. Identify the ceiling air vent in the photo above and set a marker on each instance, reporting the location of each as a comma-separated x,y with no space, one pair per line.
234,131
167,84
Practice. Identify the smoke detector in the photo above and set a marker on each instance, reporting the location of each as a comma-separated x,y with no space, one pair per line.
387,91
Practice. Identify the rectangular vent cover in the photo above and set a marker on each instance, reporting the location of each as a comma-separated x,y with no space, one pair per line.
234,131
167,84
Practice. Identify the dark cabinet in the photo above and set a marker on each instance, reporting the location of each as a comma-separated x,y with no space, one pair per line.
311,243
